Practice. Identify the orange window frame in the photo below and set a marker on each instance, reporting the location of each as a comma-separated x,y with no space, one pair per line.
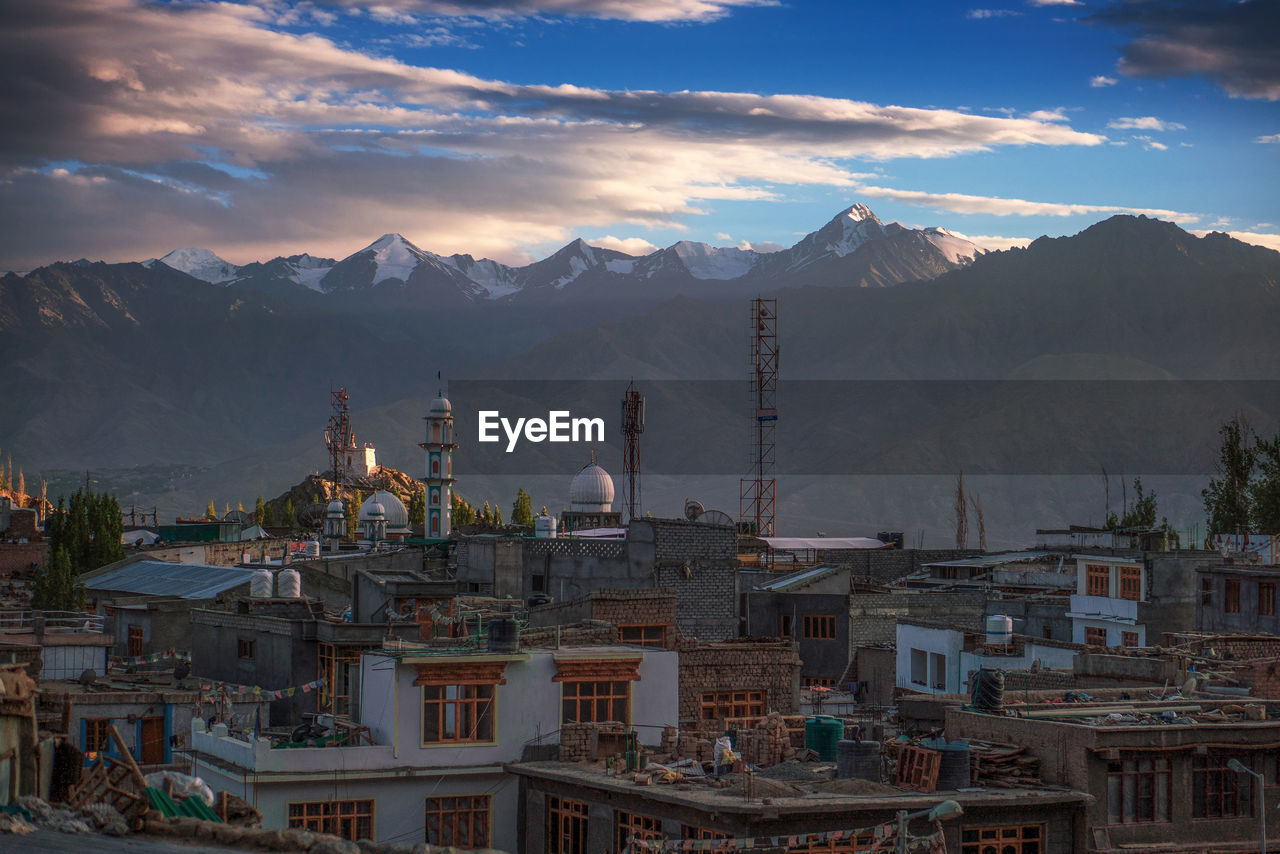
351,820
461,821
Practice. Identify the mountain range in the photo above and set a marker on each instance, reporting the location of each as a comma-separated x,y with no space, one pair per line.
187,389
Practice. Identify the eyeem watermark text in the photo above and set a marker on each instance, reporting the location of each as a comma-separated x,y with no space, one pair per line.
558,426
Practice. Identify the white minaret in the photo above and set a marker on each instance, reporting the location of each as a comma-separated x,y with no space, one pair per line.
439,480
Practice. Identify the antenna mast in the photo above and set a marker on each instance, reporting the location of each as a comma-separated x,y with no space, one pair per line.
339,438
756,493
632,427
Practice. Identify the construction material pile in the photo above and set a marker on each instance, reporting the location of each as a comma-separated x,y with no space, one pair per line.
1003,766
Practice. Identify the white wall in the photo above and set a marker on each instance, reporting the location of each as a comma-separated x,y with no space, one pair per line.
933,642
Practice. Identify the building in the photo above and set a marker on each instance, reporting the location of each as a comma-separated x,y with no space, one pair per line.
439,480
590,501
57,645
382,517
644,616
811,608
1238,599
1157,771
436,727
935,658
743,677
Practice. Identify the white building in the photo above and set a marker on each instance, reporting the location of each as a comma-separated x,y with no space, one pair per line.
935,659
442,723
1104,608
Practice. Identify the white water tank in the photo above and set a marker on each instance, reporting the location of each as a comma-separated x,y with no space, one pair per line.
289,584
999,630
261,584
544,527
312,548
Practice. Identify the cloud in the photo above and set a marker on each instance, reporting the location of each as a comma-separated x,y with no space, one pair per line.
629,245
328,146
1054,2
621,10
1271,138
982,14
1270,241
1150,144
1144,123
1231,43
1057,114
1102,81
967,204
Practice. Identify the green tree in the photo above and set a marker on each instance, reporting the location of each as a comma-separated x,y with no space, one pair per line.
57,588
211,510
268,515
353,515
418,507
290,517
497,516
259,512
463,513
1226,500
1264,489
522,509
1141,514
88,530
486,515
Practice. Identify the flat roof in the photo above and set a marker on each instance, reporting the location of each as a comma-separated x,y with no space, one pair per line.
177,580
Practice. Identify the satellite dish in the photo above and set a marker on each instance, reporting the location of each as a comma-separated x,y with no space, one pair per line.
693,509
88,677
716,517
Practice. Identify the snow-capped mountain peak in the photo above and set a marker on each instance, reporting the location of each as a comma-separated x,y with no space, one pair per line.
714,262
199,264
859,212
395,257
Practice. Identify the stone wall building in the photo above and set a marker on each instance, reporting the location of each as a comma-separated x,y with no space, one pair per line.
745,677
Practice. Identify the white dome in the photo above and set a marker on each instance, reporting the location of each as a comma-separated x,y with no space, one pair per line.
392,510
336,508
440,406
591,489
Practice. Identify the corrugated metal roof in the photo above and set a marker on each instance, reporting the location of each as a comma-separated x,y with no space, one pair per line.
820,543
804,575
998,559
178,580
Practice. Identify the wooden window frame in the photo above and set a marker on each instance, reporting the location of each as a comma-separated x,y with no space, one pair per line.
465,713
786,626
1142,772
1266,598
1128,639
1097,579
1091,636
819,627
136,641
1206,591
580,705
864,842
463,821
245,648
719,705
1231,596
1024,839
340,818
97,735
566,826
690,831
335,693
1130,583
1217,792
643,635
627,825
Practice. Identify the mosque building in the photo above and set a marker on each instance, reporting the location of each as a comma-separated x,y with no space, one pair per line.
590,500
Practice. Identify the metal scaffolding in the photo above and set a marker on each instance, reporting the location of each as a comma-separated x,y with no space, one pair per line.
756,493
632,426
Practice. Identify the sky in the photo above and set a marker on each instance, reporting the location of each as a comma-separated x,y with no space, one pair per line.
507,128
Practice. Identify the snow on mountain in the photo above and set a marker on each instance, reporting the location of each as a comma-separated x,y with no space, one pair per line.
199,264
395,258
494,277
308,270
956,249
710,262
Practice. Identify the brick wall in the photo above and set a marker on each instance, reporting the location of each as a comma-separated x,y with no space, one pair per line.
16,559
619,606
580,634
873,617
739,665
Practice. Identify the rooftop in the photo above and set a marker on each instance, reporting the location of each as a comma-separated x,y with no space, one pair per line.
178,580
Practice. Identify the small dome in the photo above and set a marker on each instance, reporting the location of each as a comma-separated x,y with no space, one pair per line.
336,508
591,489
440,406
388,507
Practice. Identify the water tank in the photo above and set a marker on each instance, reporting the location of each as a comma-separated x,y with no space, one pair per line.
859,760
953,765
988,690
504,635
289,584
312,548
544,527
261,584
822,734
999,630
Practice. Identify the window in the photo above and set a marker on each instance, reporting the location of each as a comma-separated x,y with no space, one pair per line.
691,832
784,626
462,821
1231,601
628,825
1097,580
1206,591
644,635
919,667
1128,638
566,826
596,701
718,705
1216,790
1095,635
135,640
457,713
244,648
939,670
863,843
1046,632
97,735
339,667
1266,599
351,820
1131,583
1017,839
1138,789
819,627
819,681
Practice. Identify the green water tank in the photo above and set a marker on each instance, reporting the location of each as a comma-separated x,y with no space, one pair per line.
822,734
